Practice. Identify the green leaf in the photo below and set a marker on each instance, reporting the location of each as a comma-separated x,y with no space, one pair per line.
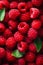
2,14
17,54
38,44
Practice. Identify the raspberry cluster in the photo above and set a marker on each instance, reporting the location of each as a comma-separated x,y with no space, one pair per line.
22,24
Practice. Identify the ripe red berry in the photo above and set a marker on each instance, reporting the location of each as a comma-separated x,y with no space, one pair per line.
13,4
37,2
7,33
32,47
30,57
31,64
21,61
9,57
34,12
2,27
39,60
23,27
25,16
32,33
22,46
12,25
1,5
14,13
2,53
18,36
2,41
22,7
36,24
10,43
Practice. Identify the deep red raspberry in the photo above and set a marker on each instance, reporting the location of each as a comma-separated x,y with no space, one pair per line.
7,33
22,7
31,64
2,41
2,53
22,46
9,57
25,16
37,2
13,4
21,61
36,24
2,27
1,5
14,13
30,57
5,64
32,47
23,27
29,5
18,36
34,12
41,32
32,34
12,25
39,60
10,43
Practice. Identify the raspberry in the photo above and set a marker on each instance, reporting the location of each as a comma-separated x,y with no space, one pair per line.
2,27
34,12
21,61
22,46
2,41
10,43
32,34
31,64
36,24
23,27
39,60
32,47
1,5
25,16
2,53
7,33
18,36
22,7
37,2
9,57
13,14
30,57
12,25
13,5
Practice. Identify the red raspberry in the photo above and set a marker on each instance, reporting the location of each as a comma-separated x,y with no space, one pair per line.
21,61
18,36
1,5
29,4
14,13
36,24
41,32
2,53
37,2
22,7
23,27
32,47
31,64
34,12
2,41
13,5
22,46
25,16
10,43
5,64
9,57
32,34
7,33
12,25
30,57
2,27
39,60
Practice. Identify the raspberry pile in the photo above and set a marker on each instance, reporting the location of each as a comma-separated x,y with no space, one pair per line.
21,25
